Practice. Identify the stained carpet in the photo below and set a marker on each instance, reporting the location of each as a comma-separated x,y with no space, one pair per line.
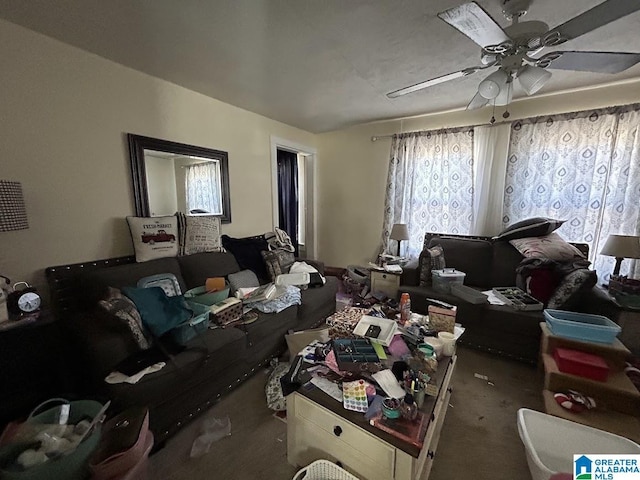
479,437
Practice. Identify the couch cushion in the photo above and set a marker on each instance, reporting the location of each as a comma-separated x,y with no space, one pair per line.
550,246
198,267
572,287
503,264
532,227
470,256
154,237
95,282
247,252
430,259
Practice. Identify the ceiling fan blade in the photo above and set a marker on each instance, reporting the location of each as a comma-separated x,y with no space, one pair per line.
478,101
433,81
475,23
599,62
600,15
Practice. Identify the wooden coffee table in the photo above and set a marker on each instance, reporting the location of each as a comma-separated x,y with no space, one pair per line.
318,427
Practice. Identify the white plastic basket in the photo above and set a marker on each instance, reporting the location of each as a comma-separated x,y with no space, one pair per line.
323,470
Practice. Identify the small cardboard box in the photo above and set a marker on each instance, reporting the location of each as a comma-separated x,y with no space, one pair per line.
296,341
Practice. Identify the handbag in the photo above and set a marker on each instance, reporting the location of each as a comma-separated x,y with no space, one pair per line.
124,444
72,466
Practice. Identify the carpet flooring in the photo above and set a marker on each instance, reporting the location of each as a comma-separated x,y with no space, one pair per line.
479,436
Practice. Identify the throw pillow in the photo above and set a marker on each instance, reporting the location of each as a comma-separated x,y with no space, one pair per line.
550,246
125,310
242,279
247,253
154,237
532,227
430,259
571,288
277,262
159,313
201,234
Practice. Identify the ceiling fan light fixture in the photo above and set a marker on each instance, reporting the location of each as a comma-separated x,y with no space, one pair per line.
505,96
491,86
533,78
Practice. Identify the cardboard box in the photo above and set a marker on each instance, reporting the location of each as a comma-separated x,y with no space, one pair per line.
296,341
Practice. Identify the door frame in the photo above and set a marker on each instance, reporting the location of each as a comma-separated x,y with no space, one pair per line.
311,156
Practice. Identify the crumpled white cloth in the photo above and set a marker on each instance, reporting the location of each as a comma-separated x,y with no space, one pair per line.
118,377
299,267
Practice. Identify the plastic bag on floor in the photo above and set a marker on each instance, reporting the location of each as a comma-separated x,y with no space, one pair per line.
212,430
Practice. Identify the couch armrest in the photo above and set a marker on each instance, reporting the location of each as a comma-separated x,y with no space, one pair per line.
598,302
101,342
411,273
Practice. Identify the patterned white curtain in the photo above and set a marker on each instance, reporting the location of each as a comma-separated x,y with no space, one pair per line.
429,186
581,167
202,183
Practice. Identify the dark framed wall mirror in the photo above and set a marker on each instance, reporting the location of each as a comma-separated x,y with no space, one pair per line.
171,177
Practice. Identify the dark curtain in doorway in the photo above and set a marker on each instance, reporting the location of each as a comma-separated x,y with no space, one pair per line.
288,194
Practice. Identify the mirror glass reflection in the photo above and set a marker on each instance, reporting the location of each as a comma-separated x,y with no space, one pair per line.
170,177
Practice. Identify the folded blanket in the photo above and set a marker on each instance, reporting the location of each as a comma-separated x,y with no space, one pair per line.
291,296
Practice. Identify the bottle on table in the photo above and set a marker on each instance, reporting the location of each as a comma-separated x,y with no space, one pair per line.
405,308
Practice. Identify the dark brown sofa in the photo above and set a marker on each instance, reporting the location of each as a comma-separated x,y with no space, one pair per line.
212,364
487,264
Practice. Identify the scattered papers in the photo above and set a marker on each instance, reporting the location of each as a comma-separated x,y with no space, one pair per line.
493,299
387,381
328,387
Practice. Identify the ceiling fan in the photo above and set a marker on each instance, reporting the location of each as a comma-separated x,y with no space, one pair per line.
513,48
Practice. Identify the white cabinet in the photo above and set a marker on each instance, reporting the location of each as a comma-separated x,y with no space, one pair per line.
316,432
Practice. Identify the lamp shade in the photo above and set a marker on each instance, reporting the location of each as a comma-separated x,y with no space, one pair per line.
13,214
399,232
622,246
533,79
491,86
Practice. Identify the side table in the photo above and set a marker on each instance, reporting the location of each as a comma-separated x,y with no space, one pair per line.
32,366
629,321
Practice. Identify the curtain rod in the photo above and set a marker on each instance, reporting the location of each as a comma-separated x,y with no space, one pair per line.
375,138
616,109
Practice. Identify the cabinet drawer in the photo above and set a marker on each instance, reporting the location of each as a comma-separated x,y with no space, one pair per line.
366,444
320,444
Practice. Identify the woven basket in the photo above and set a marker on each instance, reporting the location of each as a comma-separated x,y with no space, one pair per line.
323,470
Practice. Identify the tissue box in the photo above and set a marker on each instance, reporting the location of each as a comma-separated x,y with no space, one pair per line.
226,311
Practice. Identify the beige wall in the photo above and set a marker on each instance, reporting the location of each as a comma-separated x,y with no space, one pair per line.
353,169
64,117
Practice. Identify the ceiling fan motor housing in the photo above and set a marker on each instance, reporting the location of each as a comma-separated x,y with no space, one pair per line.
513,9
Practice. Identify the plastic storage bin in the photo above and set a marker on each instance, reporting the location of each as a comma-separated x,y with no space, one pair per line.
444,279
550,443
200,295
323,470
581,326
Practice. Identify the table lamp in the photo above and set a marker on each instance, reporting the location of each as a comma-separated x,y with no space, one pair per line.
621,247
399,232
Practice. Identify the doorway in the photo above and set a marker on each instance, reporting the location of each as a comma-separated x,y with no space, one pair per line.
293,190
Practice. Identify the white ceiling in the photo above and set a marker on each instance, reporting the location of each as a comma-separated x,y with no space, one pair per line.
318,65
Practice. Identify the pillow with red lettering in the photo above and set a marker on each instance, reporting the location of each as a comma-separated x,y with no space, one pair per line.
154,237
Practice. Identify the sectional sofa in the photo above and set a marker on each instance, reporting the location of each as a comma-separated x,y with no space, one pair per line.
194,378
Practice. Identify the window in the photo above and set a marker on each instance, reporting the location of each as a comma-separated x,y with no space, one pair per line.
430,185
203,194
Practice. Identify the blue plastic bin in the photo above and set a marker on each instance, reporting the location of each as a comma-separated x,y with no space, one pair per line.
581,326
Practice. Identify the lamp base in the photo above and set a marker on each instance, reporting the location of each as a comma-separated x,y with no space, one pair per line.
616,269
